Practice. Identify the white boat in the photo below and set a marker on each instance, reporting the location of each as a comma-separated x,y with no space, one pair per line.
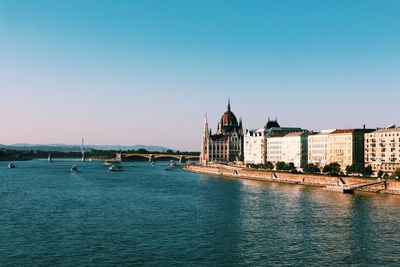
11,166
74,168
172,165
115,168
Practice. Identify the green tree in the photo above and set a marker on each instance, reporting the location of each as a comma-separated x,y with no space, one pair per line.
332,169
356,169
290,167
311,168
367,171
350,169
380,173
268,165
281,166
142,151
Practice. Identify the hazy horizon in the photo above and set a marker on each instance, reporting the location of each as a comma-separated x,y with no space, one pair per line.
146,72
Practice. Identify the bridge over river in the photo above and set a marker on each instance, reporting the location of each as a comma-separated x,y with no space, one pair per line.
153,157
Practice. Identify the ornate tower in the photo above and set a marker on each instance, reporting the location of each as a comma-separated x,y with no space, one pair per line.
204,153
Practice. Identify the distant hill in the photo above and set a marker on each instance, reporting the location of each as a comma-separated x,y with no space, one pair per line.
77,148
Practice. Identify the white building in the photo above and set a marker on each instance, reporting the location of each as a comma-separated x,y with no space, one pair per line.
274,148
318,148
382,149
291,147
254,147
255,141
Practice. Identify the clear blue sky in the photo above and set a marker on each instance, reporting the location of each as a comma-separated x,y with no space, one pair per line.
145,72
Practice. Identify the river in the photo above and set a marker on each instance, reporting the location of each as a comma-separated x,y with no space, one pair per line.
148,216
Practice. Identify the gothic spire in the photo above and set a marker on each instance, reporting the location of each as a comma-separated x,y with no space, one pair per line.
229,104
206,125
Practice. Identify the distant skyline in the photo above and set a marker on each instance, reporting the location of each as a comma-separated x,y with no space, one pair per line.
146,72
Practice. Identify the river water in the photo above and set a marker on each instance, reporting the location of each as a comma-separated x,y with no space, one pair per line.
148,216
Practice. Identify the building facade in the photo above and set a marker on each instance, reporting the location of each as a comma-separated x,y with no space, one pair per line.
318,148
254,147
274,148
226,145
255,141
382,149
346,146
291,147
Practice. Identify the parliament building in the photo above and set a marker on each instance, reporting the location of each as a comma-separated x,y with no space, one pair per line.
226,145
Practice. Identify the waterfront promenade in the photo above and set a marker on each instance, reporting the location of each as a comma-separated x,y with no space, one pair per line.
390,187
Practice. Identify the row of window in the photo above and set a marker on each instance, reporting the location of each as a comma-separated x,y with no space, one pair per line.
386,135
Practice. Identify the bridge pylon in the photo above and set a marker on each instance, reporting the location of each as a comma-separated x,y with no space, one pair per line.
151,158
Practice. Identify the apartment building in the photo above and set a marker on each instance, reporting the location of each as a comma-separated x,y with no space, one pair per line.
318,148
346,146
382,149
255,141
291,147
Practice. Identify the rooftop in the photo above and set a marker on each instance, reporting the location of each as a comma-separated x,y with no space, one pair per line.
344,131
294,134
324,132
387,130
272,123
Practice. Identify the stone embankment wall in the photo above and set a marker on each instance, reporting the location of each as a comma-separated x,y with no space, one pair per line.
392,186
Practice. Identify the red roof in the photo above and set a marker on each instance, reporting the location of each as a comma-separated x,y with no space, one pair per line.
341,131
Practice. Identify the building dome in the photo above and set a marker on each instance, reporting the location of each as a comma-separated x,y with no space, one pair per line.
272,123
228,118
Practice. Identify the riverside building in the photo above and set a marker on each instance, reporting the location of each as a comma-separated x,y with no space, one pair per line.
254,147
255,141
346,146
318,148
290,147
226,145
382,149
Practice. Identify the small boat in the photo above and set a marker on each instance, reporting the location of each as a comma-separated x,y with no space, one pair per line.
74,168
50,158
115,168
11,166
108,163
172,165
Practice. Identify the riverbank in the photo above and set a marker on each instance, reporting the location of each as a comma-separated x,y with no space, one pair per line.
15,159
390,187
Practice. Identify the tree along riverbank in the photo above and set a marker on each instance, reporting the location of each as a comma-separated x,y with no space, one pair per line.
390,187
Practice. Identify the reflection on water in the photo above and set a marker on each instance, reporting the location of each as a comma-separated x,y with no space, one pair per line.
310,225
147,216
